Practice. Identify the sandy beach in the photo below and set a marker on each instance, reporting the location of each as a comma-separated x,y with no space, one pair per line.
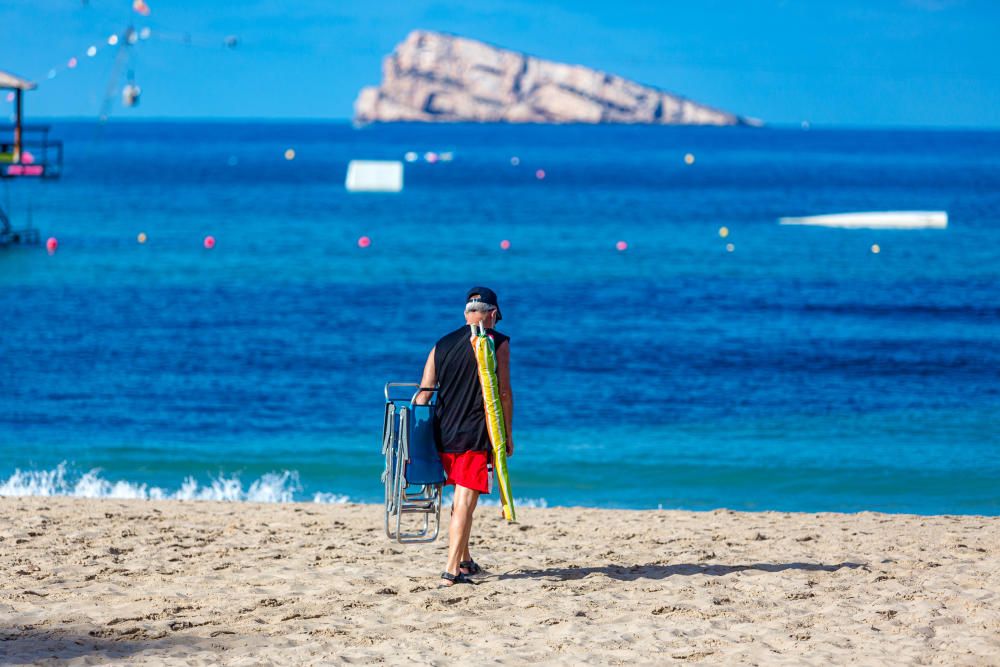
186,583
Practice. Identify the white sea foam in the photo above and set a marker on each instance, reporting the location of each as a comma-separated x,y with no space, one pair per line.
330,498
488,501
528,503
274,487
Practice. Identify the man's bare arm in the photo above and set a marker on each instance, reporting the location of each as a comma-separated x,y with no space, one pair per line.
506,393
429,379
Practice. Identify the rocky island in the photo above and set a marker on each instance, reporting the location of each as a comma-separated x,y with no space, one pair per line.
433,77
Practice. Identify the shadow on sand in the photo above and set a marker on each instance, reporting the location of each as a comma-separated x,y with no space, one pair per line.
31,647
654,571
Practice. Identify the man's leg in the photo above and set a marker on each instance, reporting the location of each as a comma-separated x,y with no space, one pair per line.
461,526
466,554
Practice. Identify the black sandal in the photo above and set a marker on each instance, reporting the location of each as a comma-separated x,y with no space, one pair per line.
455,579
472,567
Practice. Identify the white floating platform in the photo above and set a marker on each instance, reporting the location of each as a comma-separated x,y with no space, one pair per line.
875,220
374,176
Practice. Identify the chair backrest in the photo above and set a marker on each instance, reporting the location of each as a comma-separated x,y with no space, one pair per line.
424,464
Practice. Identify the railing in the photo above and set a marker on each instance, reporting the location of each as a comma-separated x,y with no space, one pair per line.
9,235
39,157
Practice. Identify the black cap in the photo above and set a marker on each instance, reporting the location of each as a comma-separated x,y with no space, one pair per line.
487,296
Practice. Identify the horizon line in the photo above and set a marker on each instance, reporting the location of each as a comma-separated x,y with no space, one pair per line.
350,121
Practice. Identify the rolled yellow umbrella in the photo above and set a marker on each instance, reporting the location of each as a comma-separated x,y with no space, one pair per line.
486,362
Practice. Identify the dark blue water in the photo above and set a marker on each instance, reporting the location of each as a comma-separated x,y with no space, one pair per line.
800,371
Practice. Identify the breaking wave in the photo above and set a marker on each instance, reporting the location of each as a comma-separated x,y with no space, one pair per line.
274,487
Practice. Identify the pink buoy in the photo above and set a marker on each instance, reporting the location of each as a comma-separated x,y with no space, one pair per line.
540,174
72,63
209,242
51,244
505,245
621,245
364,242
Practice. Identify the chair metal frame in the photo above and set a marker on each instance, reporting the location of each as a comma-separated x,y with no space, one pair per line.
402,497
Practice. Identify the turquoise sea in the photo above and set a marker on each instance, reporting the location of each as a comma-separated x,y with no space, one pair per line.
799,370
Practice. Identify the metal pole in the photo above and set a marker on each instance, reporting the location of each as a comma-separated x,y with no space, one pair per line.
17,125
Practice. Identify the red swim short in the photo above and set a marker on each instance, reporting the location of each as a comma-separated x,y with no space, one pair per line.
468,469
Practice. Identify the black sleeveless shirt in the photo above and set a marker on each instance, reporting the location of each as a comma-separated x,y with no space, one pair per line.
459,419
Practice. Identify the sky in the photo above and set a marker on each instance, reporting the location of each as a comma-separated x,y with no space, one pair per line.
906,63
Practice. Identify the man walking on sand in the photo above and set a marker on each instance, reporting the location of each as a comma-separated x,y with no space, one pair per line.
460,422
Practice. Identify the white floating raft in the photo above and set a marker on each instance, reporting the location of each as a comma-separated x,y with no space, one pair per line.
374,176
875,220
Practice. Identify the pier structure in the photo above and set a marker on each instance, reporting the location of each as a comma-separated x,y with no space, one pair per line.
25,152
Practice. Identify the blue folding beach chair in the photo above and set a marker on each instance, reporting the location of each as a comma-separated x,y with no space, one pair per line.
413,475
